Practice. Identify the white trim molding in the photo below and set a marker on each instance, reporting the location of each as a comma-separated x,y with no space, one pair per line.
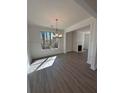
80,25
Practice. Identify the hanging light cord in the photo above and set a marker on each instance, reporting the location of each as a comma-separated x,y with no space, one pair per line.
56,25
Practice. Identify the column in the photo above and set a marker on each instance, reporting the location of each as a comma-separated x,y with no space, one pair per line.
92,46
64,42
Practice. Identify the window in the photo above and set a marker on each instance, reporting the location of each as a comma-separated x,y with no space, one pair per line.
48,40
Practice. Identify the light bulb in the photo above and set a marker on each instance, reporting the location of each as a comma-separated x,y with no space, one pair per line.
60,35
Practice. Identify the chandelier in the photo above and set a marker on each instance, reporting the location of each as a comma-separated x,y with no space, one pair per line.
57,33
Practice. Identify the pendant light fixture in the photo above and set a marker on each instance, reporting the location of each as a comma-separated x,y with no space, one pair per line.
57,34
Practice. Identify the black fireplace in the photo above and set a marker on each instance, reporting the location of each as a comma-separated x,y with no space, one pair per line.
79,48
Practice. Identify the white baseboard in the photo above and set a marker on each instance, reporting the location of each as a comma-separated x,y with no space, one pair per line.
93,67
88,62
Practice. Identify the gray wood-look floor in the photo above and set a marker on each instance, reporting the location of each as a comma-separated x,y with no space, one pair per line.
69,74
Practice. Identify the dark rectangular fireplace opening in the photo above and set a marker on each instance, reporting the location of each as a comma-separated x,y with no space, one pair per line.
79,48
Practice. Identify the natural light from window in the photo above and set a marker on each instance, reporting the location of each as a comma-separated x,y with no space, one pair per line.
48,41
41,64
35,65
48,63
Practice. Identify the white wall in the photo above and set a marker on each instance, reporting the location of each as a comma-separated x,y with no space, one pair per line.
29,58
78,39
28,86
35,42
75,38
86,40
69,42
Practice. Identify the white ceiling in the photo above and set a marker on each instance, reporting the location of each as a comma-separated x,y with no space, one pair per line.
44,12
89,5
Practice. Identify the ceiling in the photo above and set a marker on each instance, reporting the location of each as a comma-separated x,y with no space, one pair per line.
44,12
92,4
89,5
